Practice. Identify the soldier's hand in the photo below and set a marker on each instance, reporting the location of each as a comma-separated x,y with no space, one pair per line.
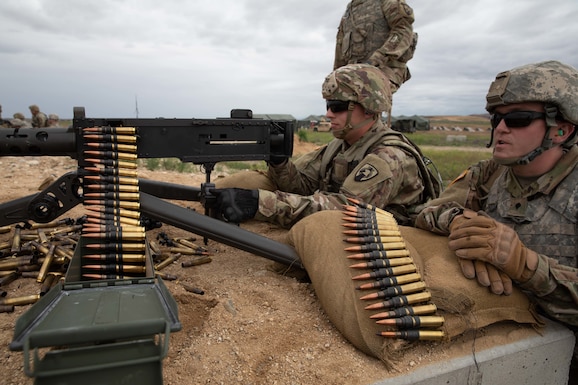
236,205
481,238
487,275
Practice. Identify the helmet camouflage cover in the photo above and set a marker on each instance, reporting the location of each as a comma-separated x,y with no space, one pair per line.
549,82
360,83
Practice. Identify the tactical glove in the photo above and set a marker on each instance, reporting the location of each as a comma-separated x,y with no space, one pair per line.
276,160
236,205
486,274
481,238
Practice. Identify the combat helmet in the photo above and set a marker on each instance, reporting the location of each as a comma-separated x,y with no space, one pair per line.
550,82
359,83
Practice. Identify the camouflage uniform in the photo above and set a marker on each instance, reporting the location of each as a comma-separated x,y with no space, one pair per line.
380,33
371,170
543,211
39,118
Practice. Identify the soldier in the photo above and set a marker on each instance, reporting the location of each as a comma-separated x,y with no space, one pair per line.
53,121
513,217
19,120
380,33
39,118
367,161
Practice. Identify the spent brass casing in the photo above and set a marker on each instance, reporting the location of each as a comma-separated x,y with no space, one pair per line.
166,276
6,308
401,300
108,146
42,236
5,229
14,263
377,246
377,254
118,138
155,248
380,263
393,291
415,335
47,284
111,179
190,244
413,322
112,195
16,239
66,230
387,272
429,308
54,223
49,257
391,281
192,289
111,130
13,276
17,301
164,263
111,155
196,261
186,251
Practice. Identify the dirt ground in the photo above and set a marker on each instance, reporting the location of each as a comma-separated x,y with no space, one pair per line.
251,325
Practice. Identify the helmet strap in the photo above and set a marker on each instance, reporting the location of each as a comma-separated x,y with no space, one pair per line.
348,126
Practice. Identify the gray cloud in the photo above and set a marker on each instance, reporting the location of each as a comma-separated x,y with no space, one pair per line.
201,59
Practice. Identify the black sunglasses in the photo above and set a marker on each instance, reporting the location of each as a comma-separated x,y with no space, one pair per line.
337,105
516,119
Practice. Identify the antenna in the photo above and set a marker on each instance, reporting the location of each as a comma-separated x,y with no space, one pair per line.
136,106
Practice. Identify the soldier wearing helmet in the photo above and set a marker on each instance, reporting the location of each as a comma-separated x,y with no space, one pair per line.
366,160
39,118
380,33
513,217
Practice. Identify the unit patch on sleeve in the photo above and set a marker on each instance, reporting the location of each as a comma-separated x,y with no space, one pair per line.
365,173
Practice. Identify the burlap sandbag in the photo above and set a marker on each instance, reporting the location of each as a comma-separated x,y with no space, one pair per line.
251,180
319,241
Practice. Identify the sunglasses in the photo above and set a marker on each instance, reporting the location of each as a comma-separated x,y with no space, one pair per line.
337,105
516,119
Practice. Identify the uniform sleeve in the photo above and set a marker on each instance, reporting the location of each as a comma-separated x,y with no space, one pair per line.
400,19
389,177
555,288
300,176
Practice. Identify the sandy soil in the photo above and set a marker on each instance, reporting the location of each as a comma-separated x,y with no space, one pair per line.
251,326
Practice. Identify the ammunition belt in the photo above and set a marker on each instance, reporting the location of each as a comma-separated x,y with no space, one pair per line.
404,306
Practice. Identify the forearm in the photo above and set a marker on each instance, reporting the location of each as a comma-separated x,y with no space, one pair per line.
290,179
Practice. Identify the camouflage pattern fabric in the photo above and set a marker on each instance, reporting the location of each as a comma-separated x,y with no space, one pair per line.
380,33
39,120
544,214
376,173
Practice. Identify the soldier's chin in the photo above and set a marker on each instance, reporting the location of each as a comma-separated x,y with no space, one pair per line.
339,133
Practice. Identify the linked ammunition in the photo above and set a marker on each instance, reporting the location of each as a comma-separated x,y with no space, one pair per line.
393,291
112,188
368,206
401,300
414,335
412,322
110,195
373,233
49,256
377,246
196,261
370,225
370,239
391,281
111,179
113,146
115,163
377,254
117,247
112,171
111,130
111,154
115,236
104,219
115,212
111,138
117,258
368,211
387,272
430,308
17,301
114,204
102,276
116,268
380,263
94,227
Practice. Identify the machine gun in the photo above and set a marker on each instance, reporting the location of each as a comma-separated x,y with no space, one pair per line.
117,334
200,141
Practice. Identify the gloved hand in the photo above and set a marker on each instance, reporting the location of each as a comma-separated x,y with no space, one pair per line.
486,274
236,205
481,238
276,160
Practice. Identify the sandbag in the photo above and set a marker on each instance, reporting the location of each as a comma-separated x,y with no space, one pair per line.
251,180
465,305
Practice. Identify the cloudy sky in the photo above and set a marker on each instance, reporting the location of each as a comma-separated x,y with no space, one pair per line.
194,58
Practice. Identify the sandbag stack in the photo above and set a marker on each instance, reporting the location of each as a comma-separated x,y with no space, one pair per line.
396,295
